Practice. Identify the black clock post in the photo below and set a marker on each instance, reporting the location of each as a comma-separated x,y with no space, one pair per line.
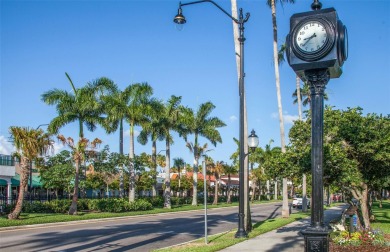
317,47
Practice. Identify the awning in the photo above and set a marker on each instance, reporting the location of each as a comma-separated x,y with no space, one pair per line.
15,181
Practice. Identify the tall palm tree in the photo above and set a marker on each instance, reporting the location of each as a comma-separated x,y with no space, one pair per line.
30,144
138,96
200,123
272,4
78,150
153,127
115,107
169,121
82,106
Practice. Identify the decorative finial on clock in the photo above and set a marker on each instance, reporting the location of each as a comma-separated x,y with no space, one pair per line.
316,5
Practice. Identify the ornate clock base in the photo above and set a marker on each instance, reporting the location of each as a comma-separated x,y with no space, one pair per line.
316,239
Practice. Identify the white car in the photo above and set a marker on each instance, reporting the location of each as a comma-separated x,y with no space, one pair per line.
297,202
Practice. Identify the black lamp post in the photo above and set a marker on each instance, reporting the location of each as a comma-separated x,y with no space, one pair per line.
180,20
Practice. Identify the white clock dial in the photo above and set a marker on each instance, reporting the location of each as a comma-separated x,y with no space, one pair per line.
311,37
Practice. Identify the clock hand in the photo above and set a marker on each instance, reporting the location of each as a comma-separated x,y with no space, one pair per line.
309,38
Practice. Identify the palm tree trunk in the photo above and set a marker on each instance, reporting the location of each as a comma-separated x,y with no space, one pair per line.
285,209
229,198
276,189
154,164
215,202
24,165
121,186
167,181
131,169
195,174
299,101
73,206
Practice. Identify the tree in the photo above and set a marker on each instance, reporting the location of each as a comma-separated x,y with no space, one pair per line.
29,143
115,107
137,102
272,4
82,105
78,152
200,123
356,151
153,127
106,163
57,172
169,121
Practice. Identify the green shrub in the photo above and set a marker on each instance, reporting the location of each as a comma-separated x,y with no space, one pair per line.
36,207
139,205
82,204
59,206
157,201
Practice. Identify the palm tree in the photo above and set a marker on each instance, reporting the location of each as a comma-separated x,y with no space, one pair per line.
78,151
138,96
82,105
169,121
153,128
200,124
179,163
272,4
115,107
30,144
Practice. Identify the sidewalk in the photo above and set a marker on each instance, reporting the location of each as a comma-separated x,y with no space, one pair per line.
286,239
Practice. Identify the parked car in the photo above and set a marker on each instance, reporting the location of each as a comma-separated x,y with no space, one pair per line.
297,202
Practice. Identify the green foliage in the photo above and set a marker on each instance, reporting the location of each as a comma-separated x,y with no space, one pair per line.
59,206
155,201
117,205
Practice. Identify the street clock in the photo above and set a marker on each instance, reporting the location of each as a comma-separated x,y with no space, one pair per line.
317,40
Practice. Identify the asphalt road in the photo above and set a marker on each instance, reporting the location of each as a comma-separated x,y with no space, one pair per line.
139,233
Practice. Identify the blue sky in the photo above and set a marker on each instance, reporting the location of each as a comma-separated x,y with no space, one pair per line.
136,41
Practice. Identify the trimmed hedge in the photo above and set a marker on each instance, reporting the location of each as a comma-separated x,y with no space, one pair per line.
114,205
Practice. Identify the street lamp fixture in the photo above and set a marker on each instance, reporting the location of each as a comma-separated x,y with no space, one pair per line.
253,140
180,20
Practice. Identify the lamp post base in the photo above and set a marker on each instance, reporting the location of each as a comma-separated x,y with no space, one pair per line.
316,239
241,234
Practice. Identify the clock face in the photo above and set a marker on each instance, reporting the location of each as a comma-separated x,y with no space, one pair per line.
311,37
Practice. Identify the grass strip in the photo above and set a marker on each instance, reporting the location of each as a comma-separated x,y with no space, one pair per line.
224,240
43,218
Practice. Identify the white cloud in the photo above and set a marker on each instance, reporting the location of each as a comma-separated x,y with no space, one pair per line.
6,147
233,118
288,119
